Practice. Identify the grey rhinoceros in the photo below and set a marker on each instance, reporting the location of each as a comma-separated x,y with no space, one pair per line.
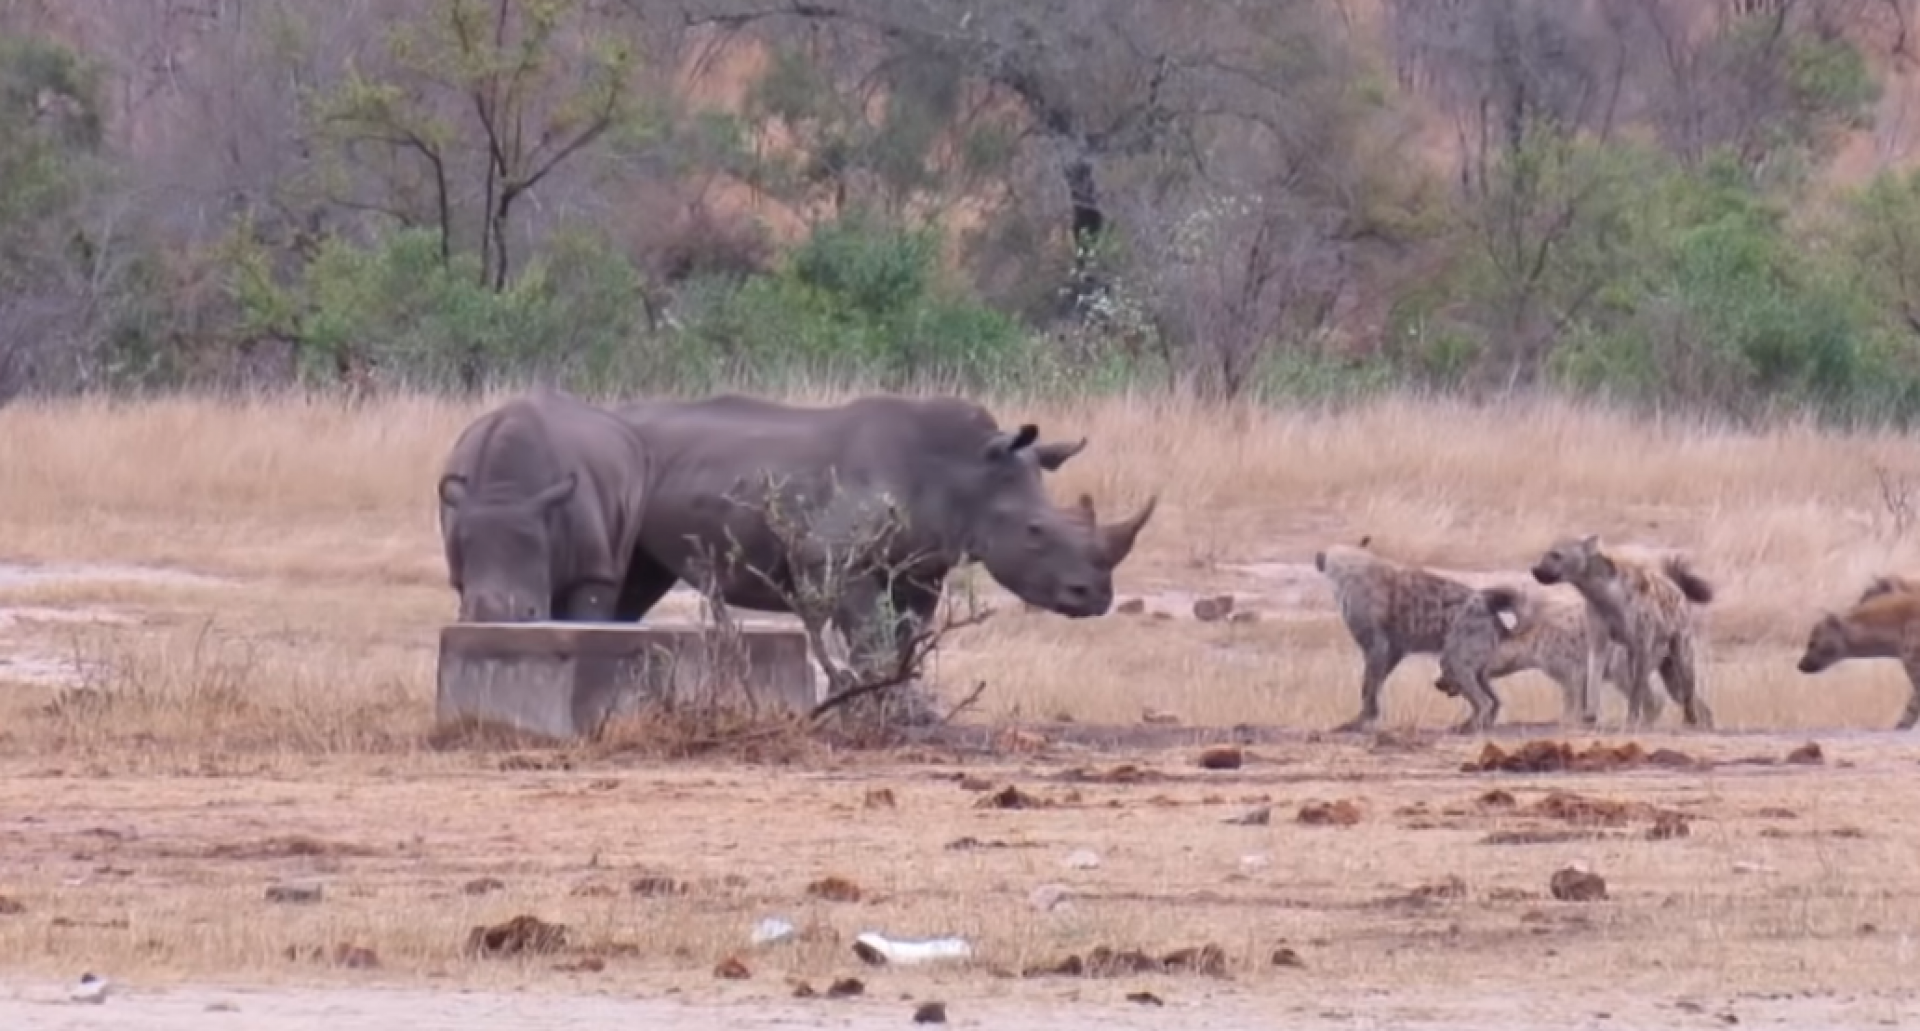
959,488
540,509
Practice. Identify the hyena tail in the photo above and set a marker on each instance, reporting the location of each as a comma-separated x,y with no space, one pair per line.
1692,584
1504,599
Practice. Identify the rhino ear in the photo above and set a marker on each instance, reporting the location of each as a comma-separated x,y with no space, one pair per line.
453,491
1004,444
557,494
1052,456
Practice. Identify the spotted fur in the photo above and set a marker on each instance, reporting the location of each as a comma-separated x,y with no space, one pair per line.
1644,603
1393,610
1883,624
1549,634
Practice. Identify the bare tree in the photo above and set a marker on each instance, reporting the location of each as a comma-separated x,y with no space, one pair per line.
839,562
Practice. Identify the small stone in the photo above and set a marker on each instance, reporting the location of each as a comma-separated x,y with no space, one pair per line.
1573,884
930,1013
1214,609
1144,999
731,969
846,988
1339,813
1222,757
1256,818
293,894
10,906
1808,754
879,798
1286,957
834,889
1131,607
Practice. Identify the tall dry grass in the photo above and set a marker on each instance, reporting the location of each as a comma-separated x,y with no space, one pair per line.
319,517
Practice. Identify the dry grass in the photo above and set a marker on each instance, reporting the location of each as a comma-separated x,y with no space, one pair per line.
290,694
322,518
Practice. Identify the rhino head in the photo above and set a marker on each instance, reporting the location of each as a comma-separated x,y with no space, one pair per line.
1059,559
500,550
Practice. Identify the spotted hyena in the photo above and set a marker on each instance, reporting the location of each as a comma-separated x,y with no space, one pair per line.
1549,634
1643,603
1883,624
1392,610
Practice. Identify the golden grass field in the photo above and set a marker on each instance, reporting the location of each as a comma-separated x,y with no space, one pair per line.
173,746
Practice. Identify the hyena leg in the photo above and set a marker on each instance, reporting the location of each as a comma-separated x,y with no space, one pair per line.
1381,658
1589,689
1639,685
1473,684
1681,678
1911,713
1568,681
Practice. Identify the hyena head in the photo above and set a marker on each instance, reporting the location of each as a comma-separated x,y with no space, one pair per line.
1826,645
1571,560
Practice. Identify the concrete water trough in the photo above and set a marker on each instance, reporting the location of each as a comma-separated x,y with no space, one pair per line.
563,680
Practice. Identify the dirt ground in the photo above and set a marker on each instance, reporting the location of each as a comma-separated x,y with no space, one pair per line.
220,787
1779,892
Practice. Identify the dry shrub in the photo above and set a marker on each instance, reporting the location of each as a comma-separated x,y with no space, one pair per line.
708,733
200,688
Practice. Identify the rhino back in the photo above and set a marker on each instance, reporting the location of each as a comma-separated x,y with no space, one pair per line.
920,453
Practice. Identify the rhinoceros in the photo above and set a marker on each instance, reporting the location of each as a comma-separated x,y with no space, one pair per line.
540,508
958,487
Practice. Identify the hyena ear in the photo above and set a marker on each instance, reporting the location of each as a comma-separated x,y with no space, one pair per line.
1591,542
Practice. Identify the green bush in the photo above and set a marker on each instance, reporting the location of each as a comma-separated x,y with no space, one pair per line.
857,298
572,312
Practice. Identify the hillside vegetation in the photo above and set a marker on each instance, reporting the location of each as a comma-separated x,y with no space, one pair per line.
1653,201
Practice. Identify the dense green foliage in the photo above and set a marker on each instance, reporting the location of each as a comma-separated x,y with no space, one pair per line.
453,217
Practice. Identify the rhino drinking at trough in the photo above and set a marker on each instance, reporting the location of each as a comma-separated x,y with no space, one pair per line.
540,509
956,486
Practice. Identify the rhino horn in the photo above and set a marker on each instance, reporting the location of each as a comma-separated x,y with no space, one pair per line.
1083,511
1052,456
1117,540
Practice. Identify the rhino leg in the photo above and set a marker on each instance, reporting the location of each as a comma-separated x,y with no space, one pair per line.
647,582
876,642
